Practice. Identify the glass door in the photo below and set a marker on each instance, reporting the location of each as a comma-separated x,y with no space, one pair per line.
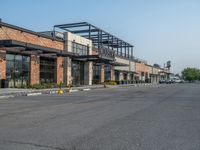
77,73
10,61
18,71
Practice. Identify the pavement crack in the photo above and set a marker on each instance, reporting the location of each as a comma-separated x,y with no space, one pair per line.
32,144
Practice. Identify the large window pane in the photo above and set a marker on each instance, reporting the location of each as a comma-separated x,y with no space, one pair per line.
17,70
77,73
107,72
96,74
79,49
47,70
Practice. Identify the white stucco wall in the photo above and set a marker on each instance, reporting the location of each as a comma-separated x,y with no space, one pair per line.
130,64
70,37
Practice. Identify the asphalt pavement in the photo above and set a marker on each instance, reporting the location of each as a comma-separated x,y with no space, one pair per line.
157,117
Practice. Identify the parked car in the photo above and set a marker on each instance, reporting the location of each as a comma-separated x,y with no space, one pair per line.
170,81
177,81
162,81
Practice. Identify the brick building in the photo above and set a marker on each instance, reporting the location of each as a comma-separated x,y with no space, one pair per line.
71,56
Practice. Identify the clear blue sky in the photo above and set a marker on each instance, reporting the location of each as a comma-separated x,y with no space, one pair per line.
161,30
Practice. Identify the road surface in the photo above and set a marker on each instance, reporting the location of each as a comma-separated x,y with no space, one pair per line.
159,117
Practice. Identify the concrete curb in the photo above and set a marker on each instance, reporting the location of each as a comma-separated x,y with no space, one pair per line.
34,94
66,90
6,96
72,91
45,91
85,89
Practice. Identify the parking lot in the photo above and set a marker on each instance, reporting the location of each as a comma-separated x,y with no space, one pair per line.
163,117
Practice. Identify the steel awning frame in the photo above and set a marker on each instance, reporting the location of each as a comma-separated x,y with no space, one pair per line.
120,64
165,72
19,47
35,48
99,37
93,58
126,71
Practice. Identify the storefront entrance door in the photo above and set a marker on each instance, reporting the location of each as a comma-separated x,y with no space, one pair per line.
77,73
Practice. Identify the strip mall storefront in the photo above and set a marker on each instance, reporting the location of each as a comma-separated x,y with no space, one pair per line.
28,57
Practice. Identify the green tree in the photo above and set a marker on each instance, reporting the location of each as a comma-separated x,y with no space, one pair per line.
191,74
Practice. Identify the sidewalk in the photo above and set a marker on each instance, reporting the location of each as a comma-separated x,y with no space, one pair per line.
12,92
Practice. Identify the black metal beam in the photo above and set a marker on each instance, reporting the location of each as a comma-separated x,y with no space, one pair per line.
86,24
71,24
99,37
84,31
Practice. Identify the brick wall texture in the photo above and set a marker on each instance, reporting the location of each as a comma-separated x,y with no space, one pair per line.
13,34
34,69
2,64
59,69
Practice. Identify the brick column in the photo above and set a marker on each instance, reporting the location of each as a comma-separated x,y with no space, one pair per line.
128,76
59,71
112,73
67,71
88,73
102,77
34,70
121,76
2,64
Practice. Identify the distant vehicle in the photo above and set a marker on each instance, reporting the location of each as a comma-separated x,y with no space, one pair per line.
170,81
162,81
177,80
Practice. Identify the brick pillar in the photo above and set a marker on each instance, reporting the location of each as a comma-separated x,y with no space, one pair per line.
2,64
102,77
128,76
121,76
35,70
112,73
67,71
88,73
59,71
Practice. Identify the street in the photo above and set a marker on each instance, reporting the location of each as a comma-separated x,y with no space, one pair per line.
156,117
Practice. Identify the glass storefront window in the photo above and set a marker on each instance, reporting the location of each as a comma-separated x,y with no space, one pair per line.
125,76
96,74
77,73
107,72
79,49
116,76
47,70
17,70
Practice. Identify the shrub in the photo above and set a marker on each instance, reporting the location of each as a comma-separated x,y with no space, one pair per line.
109,82
43,86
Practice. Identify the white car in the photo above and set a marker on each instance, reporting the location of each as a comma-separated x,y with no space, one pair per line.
178,81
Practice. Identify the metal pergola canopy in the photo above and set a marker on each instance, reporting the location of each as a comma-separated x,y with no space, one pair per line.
99,37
